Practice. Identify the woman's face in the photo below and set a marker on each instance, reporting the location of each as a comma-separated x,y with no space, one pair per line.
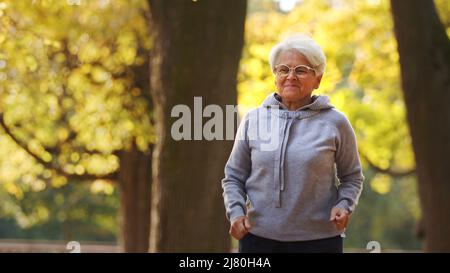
294,86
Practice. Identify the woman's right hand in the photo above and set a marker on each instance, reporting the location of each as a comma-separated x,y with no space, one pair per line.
239,227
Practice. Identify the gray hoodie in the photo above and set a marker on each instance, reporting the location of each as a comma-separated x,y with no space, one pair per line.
288,169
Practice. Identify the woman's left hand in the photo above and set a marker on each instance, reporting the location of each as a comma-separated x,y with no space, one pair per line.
339,217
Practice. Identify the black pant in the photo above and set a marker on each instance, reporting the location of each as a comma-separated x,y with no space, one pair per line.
251,243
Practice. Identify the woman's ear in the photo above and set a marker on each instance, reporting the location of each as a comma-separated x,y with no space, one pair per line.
318,80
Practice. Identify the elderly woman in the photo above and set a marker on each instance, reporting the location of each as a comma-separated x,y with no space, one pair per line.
286,198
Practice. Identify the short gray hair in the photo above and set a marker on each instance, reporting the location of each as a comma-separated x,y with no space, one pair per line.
303,45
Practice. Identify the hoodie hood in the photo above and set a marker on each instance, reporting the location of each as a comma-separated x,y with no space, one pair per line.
319,102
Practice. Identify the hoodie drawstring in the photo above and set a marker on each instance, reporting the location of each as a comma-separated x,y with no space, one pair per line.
282,154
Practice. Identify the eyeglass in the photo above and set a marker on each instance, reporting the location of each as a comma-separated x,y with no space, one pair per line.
300,71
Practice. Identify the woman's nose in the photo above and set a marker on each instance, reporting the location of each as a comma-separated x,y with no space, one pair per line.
291,75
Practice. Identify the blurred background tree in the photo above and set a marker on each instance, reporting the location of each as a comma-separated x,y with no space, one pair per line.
425,65
75,107
196,52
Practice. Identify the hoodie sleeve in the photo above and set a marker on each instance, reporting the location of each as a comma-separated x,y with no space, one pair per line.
348,165
237,170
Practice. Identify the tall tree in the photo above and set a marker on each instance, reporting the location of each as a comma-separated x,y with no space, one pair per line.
424,50
135,194
196,51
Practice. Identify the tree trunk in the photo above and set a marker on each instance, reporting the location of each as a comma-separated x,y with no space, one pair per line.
424,50
196,52
135,192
